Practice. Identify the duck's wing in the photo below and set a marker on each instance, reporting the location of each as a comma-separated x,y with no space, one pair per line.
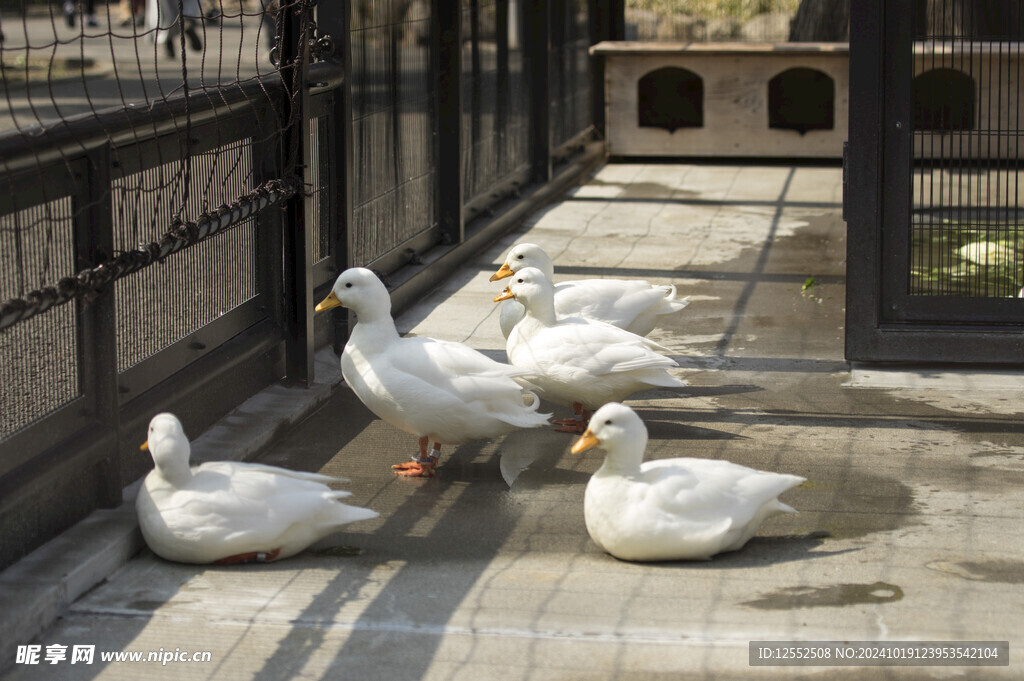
616,301
437,371
230,467
604,349
242,503
710,490
439,361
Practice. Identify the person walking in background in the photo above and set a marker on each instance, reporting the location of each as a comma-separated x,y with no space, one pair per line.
163,20
90,13
131,11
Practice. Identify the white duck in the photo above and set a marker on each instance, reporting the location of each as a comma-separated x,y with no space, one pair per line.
437,390
670,509
634,305
227,512
580,362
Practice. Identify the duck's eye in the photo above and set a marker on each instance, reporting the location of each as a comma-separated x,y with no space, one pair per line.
348,285
519,281
608,422
520,256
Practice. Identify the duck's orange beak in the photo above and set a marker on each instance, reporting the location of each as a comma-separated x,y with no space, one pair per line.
503,271
504,295
327,303
144,447
586,441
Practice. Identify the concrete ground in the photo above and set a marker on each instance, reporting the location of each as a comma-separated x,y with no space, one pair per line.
908,525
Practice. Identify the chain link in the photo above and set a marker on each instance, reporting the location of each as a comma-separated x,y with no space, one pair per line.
91,282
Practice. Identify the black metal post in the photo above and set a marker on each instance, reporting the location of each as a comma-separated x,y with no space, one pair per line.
448,70
607,22
863,190
333,19
538,47
298,246
97,329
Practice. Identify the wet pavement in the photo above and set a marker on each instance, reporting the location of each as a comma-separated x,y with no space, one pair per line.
908,524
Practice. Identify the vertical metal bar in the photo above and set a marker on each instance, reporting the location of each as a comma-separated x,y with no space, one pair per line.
448,71
298,246
97,330
897,133
866,179
333,19
607,22
538,42
267,163
501,117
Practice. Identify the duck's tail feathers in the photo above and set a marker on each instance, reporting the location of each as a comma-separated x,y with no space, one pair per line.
670,303
664,379
525,383
345,513
528,416
784,508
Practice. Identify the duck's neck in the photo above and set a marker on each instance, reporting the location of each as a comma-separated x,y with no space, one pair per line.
175,469
374,327
543,311
624,460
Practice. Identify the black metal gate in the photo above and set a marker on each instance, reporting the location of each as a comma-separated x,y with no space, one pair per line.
164,254
935,188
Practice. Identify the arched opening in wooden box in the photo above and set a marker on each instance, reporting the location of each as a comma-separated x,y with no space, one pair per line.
944,101
801,99
670,98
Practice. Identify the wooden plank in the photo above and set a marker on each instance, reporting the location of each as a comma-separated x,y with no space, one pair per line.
735,107
630,48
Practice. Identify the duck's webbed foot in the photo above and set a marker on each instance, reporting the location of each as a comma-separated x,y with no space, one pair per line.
417,468
578,423
422,467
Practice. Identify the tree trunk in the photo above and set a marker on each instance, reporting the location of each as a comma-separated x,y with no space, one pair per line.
826,21
976,19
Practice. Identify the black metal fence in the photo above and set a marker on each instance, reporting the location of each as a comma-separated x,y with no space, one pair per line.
936,260
174,189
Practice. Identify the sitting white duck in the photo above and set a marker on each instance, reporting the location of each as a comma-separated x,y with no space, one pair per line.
437,390
580,362
634,305
670,509
227,512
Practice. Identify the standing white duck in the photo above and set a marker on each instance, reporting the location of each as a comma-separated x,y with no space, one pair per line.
437,390
634,304
227,512
670,509
580,362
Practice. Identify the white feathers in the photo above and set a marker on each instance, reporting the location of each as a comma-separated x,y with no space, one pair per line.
233,512
439,389
670,509
634,305
579,360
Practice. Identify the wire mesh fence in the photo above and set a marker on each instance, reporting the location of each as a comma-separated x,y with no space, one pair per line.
496,104
393,119
126,122
175,176
968,238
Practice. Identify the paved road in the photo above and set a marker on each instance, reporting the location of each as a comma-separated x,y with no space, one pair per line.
113,66
908,526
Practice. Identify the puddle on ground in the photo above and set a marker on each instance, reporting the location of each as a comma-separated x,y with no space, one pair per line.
857,504
1002,571
834,596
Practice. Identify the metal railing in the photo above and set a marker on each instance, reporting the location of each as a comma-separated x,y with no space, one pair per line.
165,253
